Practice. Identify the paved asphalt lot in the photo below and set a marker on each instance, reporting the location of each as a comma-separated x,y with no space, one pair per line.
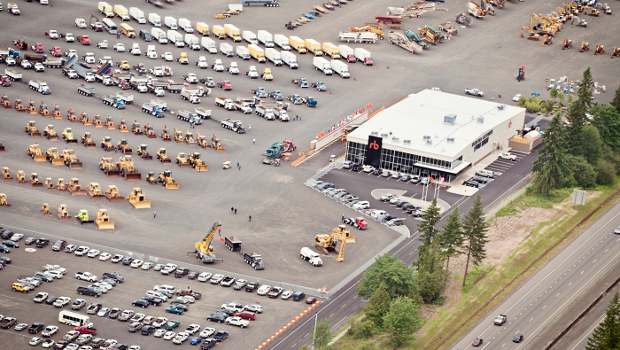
275,197
137,282
540,302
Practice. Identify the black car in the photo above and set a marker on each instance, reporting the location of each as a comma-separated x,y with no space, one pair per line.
8,322
88,291
30,240
6,233
207,344
181,272
471,183
148,330
114,312
114,275
220,336
127,260
59,245
517,338
141,303
376,172
70,248
41,242
192,275
36,328
251,286
218,316
227,281
356,168
50,300
298,296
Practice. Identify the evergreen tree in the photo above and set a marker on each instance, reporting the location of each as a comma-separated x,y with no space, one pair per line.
606,335
616,101
551,167
451,237
606,119
577,111
378,305
402,320
475,233
430,218
431,276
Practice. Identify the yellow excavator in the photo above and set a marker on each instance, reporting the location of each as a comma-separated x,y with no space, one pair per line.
203,249
334,241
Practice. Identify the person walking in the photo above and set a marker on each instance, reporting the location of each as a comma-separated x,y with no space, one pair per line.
235,211
232,210
154,214
250,218
253,141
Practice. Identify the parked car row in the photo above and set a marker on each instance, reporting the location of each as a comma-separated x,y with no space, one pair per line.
481,179
388,174
29,283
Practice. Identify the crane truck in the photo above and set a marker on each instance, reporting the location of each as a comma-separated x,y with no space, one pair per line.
203,249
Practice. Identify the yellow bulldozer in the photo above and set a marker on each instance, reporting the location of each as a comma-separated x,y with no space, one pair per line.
189,138
166,179
87,140
50,133
71,159
144,153
178,136
334,241
4,200
20,176
53,156
108,167
34,151
61,185
122,126
6,173
34,180
165,135
63,212
67,136
138,199
94,190
198,164
149,131
106,144
124,147
31,128
162,155
75,188
182,159
112,193
127,168
103,220
136,128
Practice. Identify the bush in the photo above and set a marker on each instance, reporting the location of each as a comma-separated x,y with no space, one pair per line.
362,329
606,172
532,104
583,172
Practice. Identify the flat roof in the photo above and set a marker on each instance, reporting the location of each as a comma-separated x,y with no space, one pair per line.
435,123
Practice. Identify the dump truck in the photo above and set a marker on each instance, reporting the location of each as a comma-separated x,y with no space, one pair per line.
265,38
312,257
254,260
114,101
232,32
234,125
363,56
86,91
273,55
313,46
290,59
189,117
225,103
190,96
297,43
153,109
282,41
400,40
12,74
39,86
257,53
204,114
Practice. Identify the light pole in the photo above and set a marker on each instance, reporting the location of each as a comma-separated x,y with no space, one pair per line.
316,319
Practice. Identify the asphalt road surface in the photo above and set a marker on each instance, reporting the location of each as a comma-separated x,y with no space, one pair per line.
538,303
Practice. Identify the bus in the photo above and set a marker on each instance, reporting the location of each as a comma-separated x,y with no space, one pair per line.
72,318
127,30
109,25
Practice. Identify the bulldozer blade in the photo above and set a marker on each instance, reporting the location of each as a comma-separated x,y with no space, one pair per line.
133,176
40,158
75,165
172,186
71,141
105,226
202,169
57,162
145,204
79,193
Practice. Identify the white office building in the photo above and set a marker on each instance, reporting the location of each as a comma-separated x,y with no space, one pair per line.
434,133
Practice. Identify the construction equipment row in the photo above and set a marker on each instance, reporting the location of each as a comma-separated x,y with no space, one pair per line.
55,157
102,219
164,178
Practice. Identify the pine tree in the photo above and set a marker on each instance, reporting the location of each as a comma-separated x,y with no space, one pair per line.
577,114
606,336
451,237
616,101
551,167
430,218
475,233
378,305
431,276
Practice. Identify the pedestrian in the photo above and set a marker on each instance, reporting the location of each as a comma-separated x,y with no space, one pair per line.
118,35
235,211
232,210
250,218
253,141
154,214
249,126
238,166
296,116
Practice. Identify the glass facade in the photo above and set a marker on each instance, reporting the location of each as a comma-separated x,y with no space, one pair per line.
405,162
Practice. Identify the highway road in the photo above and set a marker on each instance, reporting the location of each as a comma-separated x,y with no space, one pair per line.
539,303
346,302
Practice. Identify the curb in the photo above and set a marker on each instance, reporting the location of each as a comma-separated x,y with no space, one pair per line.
290,324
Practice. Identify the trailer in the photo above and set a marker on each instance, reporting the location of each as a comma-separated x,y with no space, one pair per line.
322,65
243,52
208,44
54,63
347,53
265,38
282,41
290,59
86,91
250,37
266,3
204,114
341,68
401,41
13,75
274,56
363,56
192,41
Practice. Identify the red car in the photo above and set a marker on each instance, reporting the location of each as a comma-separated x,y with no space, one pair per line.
226,85
86,330
56,51
84,39
38,48
246,315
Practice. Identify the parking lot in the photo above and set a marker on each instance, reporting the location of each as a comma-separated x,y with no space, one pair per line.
284,213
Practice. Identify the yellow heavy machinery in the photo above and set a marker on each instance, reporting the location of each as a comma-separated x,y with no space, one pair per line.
4,201
124,147
178,136
75,188
370,27
34,180
214,143
138,199
5,102
198,164
544,25
144,153
63,212
103,220
182,159
431,35
19,106
106,144
87,140
56,113
45,209
49,183
165,136
108,167
53,156
189,138
98,121
162,155
44,110
166,179
127,168
60,184
20,176
6,173
136,128
109,123
149,131
334,241
203,248
151,178
71,159
94,190
34,151
113,193
67,136
31,128
122,126
49,132
71,116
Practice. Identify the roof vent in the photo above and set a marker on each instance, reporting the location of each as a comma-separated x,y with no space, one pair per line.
450,139
500,107
395,139
480,119
407,141
449,119
384,135
427,139
374,133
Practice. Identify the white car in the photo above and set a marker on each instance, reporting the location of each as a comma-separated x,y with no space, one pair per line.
69,37
263,290
167,56
232,307
80,23
53,34
169,335
93,253
180,338
218,66
49,330
191,78
34,341
81,250
26,64
39,67
119,47
57,274
361,205
252,73
507,156
103,44
159,333
135,50
147,265
517,98
202,62
207,332
474,92
192,328
286,295
85,276
237,321
255,308
61,302
47,343
216,279
368,168
90,58
136,263
10,61
204,276
234,68
104,256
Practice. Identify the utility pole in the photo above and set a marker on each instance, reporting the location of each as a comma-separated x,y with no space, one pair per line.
316,319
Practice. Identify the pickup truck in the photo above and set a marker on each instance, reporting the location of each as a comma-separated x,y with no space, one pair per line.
39,86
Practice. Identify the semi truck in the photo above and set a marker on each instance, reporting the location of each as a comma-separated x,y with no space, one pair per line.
186,25
331,50
234,125
322,65
313,46
309,255
208,44
257,53
232,32
154,19
243,52
297,43
192,41
249,36
122,12
290,59
347,53
175,38
282,41
341,68
265,38
171,22
159,35
39,86
274,56
218,31
137,15
363,56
